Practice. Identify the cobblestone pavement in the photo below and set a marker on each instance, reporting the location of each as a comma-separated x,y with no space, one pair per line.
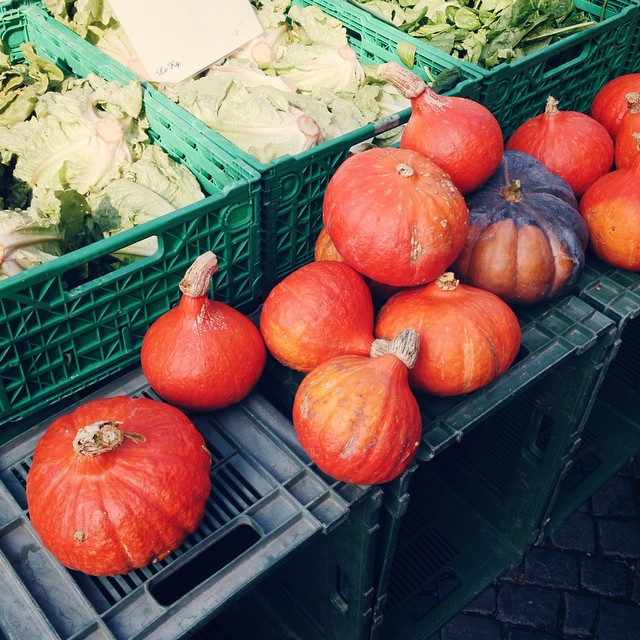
580,583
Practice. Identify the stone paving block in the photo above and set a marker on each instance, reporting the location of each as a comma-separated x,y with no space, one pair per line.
635,591
580,613
618,621
577,533
615,498
465,627
528,606
484,604
619,538
604,576
527,634
552,568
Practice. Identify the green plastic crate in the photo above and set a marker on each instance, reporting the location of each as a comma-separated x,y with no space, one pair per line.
56,341
611,436
571,70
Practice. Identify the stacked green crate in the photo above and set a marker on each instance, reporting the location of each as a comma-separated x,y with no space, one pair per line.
487,468
56,340
570,69
611,437
267,505
488,463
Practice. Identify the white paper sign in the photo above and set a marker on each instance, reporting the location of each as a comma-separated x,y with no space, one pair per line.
176,39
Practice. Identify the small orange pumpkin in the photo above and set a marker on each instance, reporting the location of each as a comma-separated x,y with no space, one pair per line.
468,336
356,416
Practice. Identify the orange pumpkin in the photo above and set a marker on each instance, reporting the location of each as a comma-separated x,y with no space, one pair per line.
610,208
468,336
395,216
356,416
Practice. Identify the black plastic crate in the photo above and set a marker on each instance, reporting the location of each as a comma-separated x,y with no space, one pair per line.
611,436
266,505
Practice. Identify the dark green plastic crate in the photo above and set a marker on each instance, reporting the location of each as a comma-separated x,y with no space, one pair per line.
611,436
266,505
55,341
571,70
487,468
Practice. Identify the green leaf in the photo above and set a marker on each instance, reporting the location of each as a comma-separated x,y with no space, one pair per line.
407,53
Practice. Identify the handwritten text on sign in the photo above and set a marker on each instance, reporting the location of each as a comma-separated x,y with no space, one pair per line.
175,40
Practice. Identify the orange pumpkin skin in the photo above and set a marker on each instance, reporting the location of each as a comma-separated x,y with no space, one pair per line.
326,250
460,135
610,208
125,508
609,104
571,144
187,355
202,355
626,147
395,216
468,336
319,311
357,418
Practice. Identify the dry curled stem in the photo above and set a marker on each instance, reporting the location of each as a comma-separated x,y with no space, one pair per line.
405,346
102,436
409,84
197,278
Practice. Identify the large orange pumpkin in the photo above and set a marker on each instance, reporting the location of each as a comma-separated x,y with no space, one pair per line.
118,483
395,216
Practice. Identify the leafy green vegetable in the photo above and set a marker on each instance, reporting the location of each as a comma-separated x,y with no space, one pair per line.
483,32
296,85
77,164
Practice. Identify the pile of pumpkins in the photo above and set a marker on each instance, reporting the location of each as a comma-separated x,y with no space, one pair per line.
426,250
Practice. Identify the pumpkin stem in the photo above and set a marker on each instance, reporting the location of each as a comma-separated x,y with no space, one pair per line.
512,192
633,102
447,281
195,282
552,106
404,346
404,170
409,84
102,436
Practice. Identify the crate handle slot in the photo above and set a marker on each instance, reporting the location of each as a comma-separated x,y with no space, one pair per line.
201,566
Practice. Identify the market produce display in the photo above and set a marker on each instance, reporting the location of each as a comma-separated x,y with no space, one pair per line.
202,354
78,165
118,483
558,138
356,416
460,135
